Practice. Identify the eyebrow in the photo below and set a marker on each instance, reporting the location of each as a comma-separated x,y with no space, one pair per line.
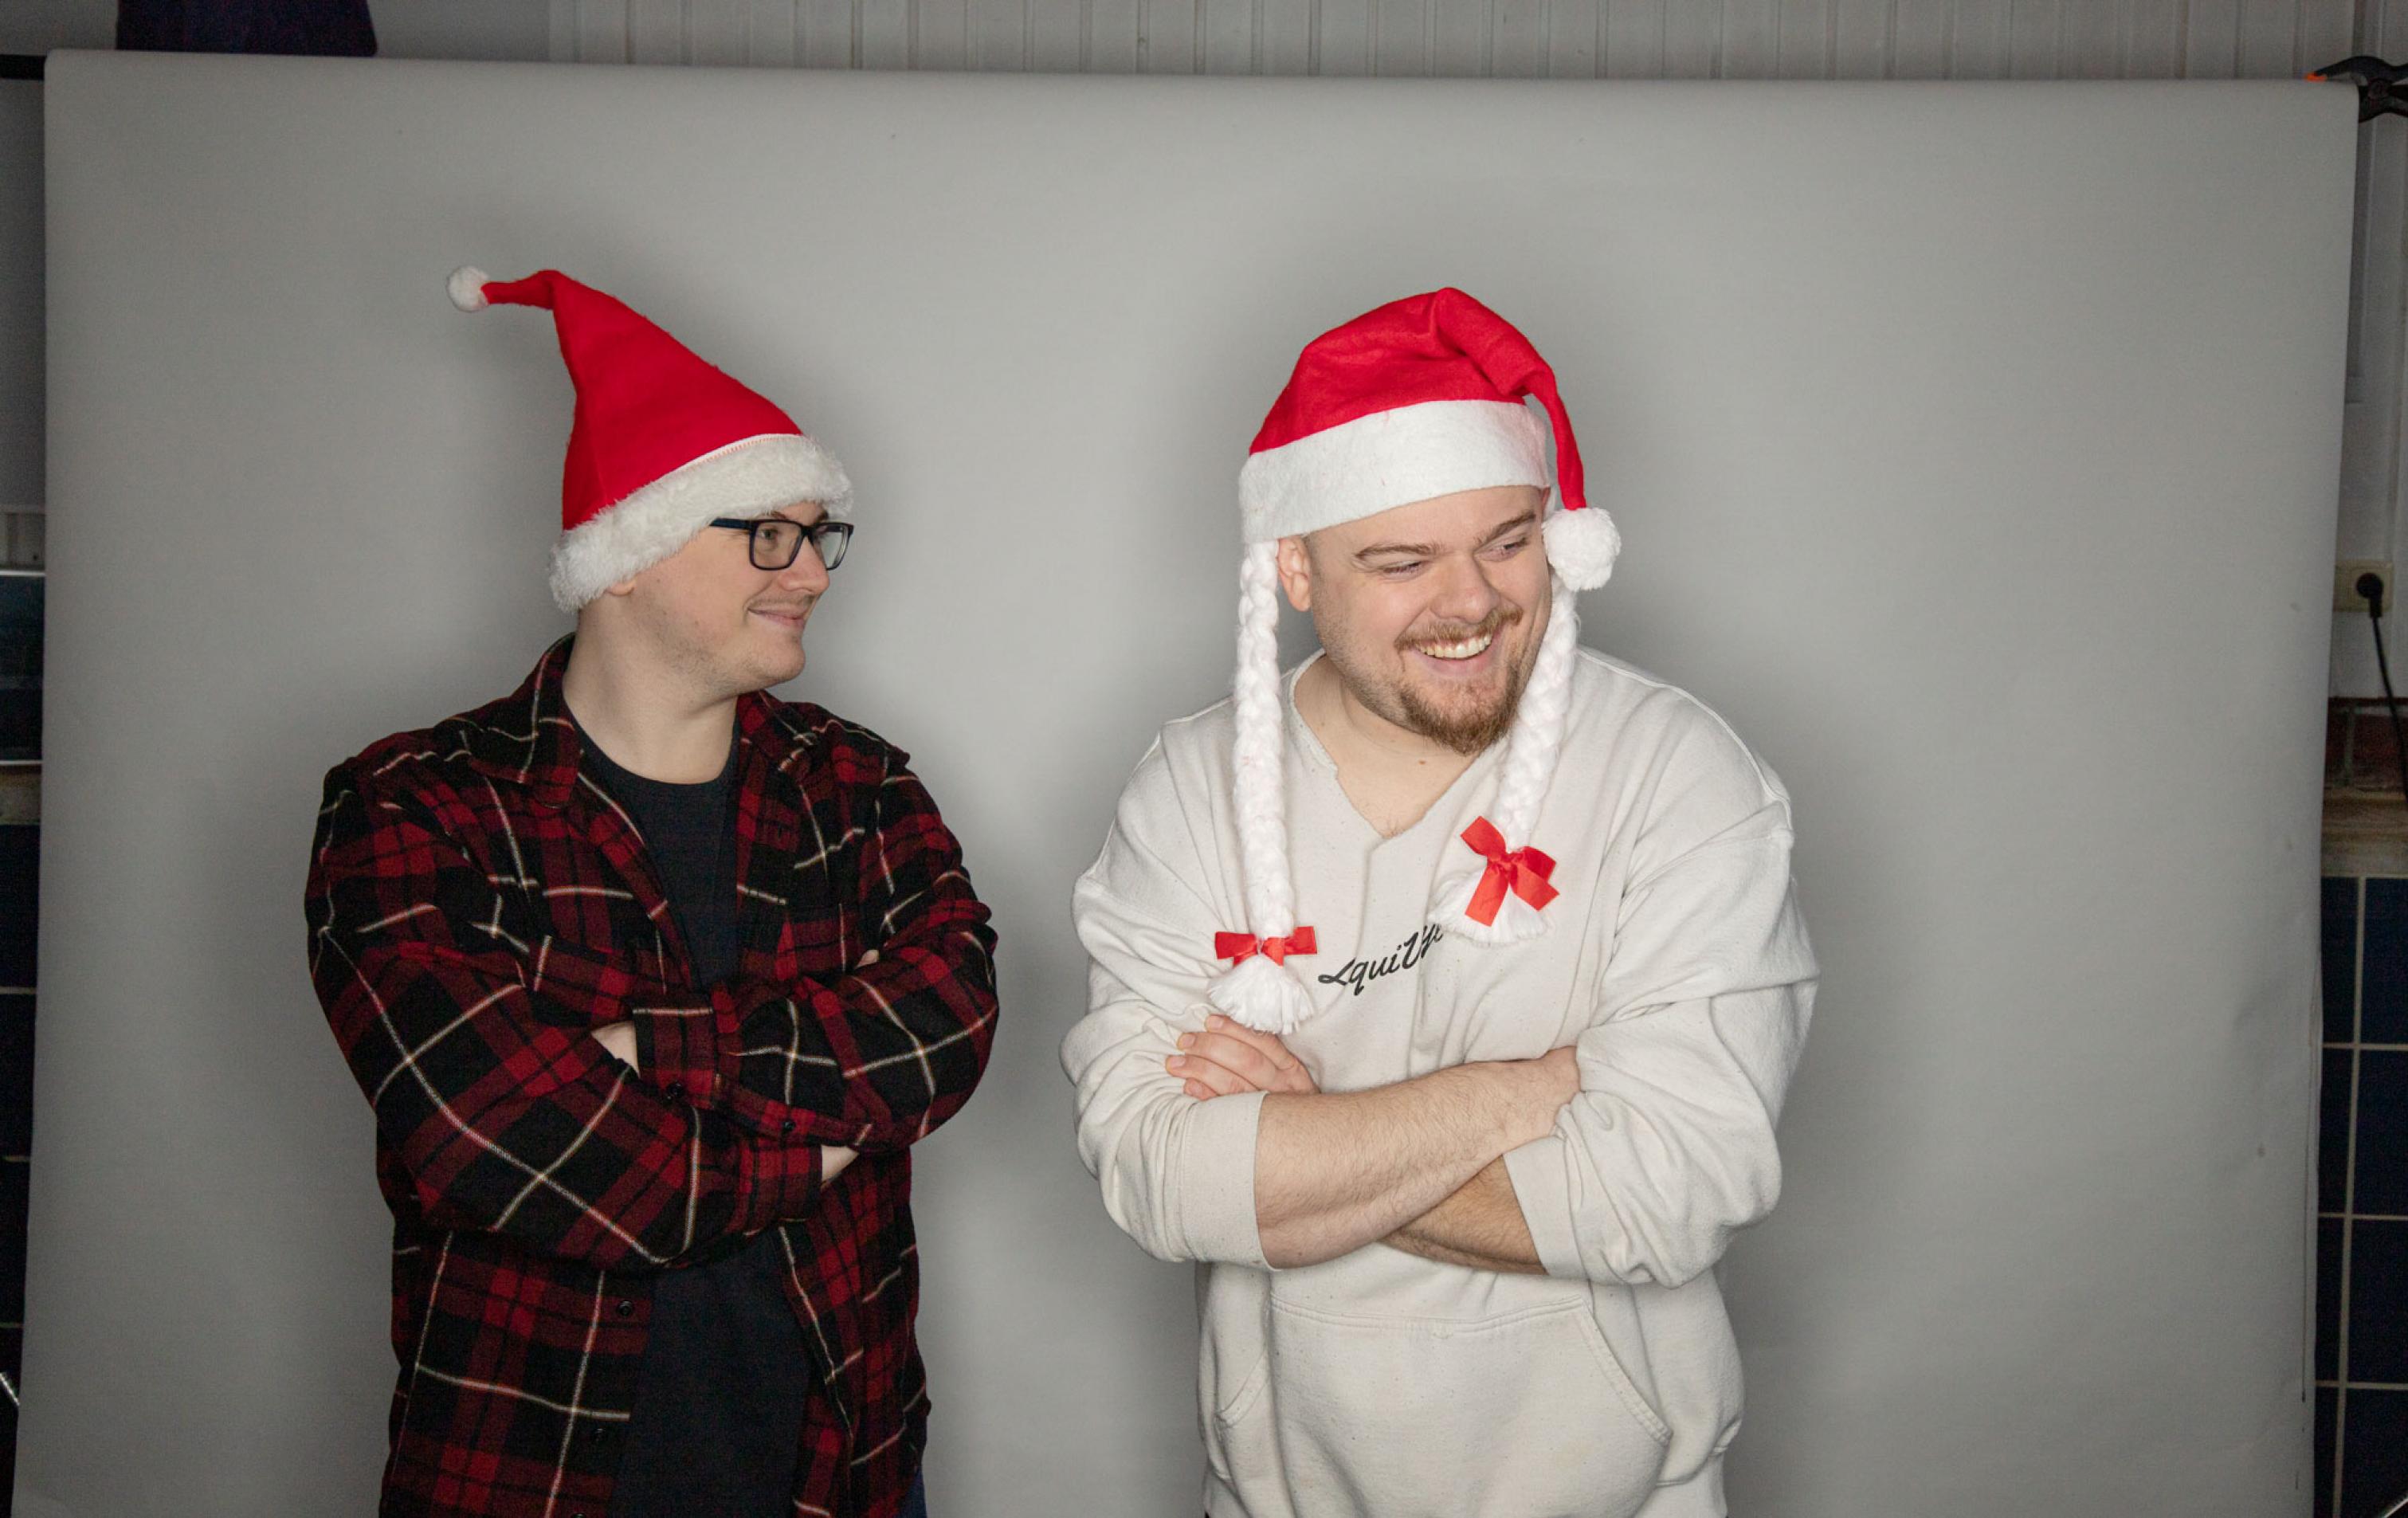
1424,551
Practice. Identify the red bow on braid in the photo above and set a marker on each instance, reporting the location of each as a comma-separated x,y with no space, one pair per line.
1524,871
1241,947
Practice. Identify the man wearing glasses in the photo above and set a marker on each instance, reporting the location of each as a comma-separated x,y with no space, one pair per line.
652,979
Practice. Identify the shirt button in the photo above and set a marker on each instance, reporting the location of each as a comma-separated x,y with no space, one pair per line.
786,1129
625,1307
677,1090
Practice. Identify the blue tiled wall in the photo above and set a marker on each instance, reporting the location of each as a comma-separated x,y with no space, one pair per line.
18,849
2363,1202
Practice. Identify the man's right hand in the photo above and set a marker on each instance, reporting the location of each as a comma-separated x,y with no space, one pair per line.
1551,1080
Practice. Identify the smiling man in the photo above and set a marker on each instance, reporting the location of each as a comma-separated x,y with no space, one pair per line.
652,979
1446,988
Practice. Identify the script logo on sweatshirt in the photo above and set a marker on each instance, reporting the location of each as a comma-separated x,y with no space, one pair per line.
1360,973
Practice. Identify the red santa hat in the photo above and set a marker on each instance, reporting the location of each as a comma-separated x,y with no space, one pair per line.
1423,397
662,442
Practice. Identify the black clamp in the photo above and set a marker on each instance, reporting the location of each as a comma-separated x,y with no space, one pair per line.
2378,92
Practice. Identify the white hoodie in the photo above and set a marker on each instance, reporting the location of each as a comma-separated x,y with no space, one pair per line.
1380,1384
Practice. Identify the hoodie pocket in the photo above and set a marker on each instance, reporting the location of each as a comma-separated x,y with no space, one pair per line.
1238,1435
1527,1415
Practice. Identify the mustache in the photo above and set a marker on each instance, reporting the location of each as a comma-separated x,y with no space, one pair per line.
1498,620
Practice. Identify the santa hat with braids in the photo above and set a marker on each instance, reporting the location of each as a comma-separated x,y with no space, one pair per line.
1422,397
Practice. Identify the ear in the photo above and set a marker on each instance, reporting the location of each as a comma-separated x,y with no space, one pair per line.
1296,572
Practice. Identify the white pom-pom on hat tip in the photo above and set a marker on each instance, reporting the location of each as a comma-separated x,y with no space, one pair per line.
1263,996
1582,546
467,288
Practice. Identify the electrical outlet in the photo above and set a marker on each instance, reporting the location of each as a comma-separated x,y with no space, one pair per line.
2346,596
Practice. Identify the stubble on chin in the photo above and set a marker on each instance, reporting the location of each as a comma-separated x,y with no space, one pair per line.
1469,732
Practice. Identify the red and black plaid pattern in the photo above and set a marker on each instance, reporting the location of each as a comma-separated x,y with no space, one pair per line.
476,904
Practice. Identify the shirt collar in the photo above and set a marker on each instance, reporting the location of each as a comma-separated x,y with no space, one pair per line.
529,740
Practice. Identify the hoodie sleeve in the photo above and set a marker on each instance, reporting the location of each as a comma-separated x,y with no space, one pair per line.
1702,1010
1178,1174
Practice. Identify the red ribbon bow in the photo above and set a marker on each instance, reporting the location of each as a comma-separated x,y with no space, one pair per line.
1241,947
1524,871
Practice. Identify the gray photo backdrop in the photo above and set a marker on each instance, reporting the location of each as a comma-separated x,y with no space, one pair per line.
1976,450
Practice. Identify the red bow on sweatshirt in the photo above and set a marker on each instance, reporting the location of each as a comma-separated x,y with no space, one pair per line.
1239,947
1524,871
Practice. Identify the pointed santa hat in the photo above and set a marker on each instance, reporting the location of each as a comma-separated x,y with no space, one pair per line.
662,442
1422,397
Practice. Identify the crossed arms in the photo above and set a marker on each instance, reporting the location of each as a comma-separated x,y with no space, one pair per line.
468,1027
1418,1164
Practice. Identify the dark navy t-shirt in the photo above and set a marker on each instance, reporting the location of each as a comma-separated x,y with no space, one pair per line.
721,1399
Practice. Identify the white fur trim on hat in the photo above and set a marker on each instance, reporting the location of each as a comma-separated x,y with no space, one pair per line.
1582,546
467,288
1388,459
748,479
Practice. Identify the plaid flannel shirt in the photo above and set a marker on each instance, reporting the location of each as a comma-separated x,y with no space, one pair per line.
476,904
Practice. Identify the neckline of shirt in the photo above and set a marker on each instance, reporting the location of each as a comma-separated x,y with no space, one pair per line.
1447,803
613,771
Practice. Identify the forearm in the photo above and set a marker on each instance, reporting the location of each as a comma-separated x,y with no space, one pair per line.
1333,1171
875,1058
1479,1226
586,1164
620,1038
506,1119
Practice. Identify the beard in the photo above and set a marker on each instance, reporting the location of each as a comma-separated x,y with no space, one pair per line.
1466,729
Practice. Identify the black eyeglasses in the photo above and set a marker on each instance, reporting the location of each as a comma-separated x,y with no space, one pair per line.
777,542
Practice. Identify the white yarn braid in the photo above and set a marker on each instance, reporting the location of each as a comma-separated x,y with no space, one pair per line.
1530,764
1537,734
1255,990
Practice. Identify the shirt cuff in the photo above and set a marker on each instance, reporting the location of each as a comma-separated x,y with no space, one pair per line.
1214,1180
1542,1187
677,1051
779,1181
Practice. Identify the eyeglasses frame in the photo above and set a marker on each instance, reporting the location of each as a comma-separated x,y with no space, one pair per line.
811,533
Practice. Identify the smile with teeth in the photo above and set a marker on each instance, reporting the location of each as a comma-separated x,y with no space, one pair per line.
1470,648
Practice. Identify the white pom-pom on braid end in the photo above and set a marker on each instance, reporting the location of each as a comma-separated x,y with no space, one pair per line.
1516,920
1262,995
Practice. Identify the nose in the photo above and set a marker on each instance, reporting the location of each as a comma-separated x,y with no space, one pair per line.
1462,593
805,575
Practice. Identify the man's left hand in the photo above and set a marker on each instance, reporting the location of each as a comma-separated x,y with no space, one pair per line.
1227,1058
